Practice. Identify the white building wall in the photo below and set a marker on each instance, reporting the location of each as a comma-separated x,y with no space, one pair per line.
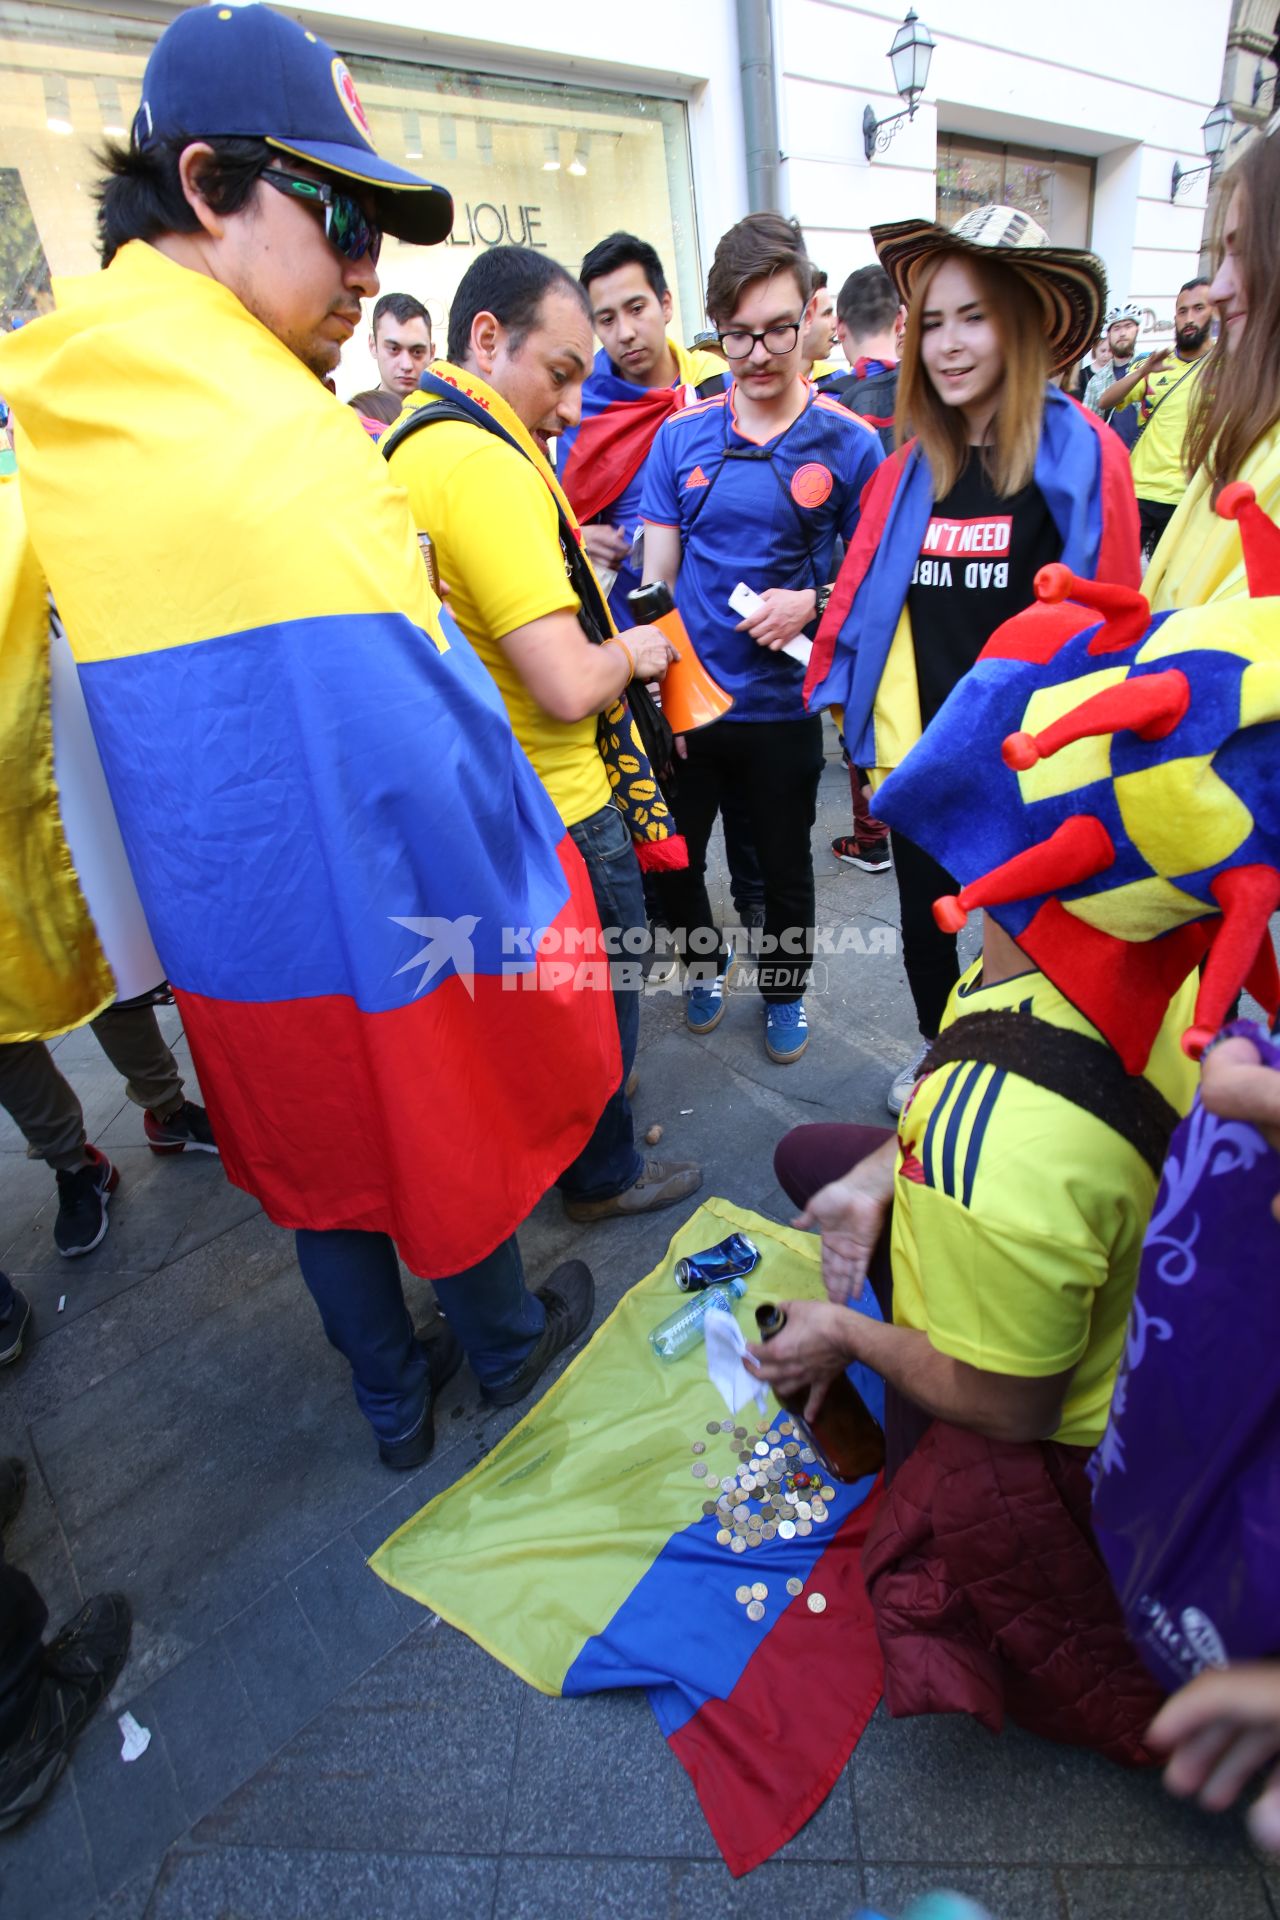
1019,71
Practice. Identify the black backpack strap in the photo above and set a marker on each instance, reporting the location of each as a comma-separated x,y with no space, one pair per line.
1084,1071
714,383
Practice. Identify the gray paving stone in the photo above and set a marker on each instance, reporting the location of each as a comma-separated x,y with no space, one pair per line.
210,1729
131,1901
830,1833
131,1812
258,1883
1122,1894
281,1665
567,1748
942,1789
530,1888
1007,1893
1271,1880
349,1609
417,1755
45,1869
808,1892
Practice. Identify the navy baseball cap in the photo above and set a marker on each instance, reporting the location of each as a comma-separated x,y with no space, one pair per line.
247,71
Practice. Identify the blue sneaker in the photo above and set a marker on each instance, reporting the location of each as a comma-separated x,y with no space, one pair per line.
786,1030
704,1007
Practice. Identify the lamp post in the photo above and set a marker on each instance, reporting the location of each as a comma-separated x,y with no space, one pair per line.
909,56
1216,132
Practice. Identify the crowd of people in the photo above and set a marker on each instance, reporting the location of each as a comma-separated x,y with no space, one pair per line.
464,735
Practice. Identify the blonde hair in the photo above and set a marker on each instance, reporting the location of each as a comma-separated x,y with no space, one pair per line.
1014,436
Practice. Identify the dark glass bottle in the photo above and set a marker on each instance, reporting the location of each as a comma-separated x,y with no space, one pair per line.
845,1435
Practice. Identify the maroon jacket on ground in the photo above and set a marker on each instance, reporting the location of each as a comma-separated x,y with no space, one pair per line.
991,1597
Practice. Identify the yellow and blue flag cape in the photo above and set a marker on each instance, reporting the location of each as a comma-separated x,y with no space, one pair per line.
345,859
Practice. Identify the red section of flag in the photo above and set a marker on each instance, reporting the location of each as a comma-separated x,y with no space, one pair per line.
764,1760
442,1122
612,446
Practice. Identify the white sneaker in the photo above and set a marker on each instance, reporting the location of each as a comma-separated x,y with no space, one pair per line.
902,1083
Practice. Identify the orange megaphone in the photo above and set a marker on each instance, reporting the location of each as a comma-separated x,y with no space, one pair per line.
690,697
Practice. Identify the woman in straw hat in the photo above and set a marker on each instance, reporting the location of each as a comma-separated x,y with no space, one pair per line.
1002,474
1235,422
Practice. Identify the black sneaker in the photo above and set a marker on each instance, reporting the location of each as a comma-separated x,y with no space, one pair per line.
81,1665
873,856
444,1356
13,1486
569,1298
13,1331
188,1127
82,1205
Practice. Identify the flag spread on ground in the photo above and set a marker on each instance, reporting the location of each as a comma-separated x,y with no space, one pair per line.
580,1554
345,858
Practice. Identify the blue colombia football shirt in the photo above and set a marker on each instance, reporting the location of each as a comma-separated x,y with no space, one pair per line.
768,514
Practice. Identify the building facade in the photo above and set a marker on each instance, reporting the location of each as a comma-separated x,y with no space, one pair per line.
554,126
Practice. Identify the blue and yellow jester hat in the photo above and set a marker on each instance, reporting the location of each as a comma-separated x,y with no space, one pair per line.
1110,792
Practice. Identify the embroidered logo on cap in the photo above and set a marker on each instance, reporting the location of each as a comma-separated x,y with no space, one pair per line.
346,88
811,484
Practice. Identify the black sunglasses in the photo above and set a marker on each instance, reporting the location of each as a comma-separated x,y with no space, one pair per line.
347,227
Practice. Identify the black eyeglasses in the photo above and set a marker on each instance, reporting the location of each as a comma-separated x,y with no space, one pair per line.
738,344
347,227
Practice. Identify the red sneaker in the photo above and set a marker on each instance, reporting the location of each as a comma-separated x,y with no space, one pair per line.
188,1127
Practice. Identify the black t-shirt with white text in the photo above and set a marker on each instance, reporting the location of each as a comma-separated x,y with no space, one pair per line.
977,566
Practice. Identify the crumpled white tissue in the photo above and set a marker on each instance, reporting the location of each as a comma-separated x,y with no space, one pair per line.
726,1344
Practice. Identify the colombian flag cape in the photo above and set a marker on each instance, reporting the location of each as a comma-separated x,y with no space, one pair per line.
864,654
598,460
581,1554
344,857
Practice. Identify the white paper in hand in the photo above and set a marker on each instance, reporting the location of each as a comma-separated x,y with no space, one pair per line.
726,1344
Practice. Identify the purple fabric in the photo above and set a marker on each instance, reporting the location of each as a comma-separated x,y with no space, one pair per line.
1187,1476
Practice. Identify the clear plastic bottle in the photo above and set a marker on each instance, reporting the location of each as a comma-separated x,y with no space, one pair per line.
683,1329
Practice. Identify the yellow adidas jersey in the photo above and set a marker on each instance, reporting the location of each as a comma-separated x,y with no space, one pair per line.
1018,1218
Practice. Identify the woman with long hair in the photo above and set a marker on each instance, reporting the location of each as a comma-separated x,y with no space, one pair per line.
997,472
1235,427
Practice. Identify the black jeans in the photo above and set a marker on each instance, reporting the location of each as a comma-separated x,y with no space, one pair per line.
23,1616
771,768
1153,517
929,955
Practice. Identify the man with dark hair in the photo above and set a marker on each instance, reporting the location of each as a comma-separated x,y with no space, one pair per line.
327,817
640,375
400,342
473,457
753,488
869,323
820,337
1162,389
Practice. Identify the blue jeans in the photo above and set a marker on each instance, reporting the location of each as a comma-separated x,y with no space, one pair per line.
354,1279
609,1163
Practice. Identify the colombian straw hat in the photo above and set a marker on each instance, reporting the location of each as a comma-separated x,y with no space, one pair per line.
1071,284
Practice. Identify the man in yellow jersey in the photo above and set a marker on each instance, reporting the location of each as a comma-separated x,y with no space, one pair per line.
519,348
1162,388
1002,1227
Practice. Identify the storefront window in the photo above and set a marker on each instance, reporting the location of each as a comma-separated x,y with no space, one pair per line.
552,167
1054,188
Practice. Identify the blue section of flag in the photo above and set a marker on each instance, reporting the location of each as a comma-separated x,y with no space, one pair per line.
289,794
664,1638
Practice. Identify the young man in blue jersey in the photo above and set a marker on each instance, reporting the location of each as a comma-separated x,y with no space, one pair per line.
754,487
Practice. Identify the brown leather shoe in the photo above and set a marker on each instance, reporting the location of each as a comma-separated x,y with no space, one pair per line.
662,1183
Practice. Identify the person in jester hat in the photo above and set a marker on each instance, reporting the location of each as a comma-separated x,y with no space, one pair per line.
1107,791
1004,474
329,821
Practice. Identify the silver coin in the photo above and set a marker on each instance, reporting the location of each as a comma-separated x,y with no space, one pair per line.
808,1455
785,1426
804,1528
699,1446
817,1603
737,1544
699,1469
804,1509
795,1586
755,1611
713,1480
772,1437
828,1493
747,1482
742,1595
787,1530
726,1426
759,1591
770,1530
741,1511
819,1509
791,1449
723,1537
760,1450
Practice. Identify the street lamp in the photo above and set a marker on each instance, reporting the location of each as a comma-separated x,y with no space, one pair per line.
1216,131
909,56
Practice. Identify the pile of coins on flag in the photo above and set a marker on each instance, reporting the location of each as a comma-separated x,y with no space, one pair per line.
772,1494
754,1597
